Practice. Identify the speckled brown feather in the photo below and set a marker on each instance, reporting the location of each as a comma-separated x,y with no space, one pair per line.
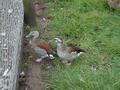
72,48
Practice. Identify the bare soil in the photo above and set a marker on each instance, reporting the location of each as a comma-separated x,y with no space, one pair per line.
36,73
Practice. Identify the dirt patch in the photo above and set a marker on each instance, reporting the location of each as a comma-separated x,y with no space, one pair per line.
35,80
36,74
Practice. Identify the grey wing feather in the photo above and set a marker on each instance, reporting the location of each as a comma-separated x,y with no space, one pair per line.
41,52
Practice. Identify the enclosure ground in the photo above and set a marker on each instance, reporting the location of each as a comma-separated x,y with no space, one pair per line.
92,26
36,73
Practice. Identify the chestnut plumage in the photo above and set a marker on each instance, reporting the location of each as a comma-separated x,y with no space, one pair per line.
40,46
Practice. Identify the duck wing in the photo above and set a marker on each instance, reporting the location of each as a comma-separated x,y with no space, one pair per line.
44,45
40,52
73,48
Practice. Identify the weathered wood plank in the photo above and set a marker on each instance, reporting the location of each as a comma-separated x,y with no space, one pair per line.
11,25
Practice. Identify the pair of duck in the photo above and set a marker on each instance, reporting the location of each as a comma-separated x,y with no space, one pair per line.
44,51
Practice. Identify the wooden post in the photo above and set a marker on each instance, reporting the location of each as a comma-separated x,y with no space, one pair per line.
11,27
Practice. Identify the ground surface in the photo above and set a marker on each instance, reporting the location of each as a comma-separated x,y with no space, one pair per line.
91,25
36,74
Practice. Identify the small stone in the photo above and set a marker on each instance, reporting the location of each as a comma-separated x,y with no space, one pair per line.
27,27
52,9
22,73
30,57
48,67
61,8
44,19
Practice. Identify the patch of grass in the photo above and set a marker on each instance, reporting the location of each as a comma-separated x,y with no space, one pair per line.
90,25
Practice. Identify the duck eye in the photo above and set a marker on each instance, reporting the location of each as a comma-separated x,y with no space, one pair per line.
32,33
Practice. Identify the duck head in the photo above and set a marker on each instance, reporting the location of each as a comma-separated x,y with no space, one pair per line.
33,34
58,41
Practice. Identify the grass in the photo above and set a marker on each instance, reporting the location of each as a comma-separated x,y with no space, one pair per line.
92,26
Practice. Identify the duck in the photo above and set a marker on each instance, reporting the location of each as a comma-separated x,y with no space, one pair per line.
40,46
41,43
114,4
69,52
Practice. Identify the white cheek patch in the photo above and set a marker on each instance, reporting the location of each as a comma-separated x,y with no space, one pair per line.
58,40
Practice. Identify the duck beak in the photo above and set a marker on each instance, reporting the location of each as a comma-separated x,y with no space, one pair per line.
29,36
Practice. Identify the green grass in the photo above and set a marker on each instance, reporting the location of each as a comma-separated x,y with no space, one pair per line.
92,26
